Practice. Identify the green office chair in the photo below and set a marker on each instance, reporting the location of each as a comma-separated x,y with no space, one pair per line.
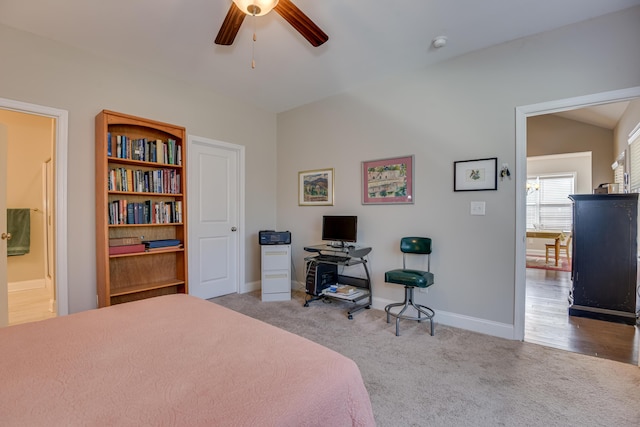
411,279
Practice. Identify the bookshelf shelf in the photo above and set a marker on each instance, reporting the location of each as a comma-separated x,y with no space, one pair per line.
128,290
154,252
144,193
124,214
144,225
141,163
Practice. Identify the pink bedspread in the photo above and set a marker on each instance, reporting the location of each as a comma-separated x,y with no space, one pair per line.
173,360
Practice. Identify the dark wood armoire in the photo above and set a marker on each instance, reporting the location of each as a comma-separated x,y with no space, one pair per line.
605,257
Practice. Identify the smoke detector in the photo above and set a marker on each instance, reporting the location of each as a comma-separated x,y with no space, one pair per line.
439,42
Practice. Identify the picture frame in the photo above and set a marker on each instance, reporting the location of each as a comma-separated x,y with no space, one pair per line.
475,175
388,181
315,187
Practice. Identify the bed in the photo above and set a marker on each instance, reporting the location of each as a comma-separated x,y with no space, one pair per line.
173,360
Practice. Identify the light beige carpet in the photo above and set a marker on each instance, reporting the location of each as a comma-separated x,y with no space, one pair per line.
459,378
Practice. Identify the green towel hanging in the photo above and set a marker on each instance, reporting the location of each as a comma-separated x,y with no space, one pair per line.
19,225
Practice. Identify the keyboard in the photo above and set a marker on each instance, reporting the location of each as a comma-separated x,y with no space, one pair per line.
332,258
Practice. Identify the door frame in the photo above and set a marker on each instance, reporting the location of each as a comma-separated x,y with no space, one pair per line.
61,120
240,152
522,113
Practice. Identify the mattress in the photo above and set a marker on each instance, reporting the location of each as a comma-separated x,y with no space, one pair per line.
173,360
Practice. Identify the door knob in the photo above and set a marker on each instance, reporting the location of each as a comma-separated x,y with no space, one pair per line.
234,229
6,236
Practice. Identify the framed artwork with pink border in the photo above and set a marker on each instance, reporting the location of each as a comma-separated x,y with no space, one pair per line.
387,181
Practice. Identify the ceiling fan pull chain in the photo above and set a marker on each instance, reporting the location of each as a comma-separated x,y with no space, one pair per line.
253,45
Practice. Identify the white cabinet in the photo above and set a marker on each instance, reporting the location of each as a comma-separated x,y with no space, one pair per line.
276,272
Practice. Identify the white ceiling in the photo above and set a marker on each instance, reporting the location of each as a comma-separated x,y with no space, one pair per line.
368,39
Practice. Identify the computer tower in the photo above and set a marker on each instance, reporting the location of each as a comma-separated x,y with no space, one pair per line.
320,277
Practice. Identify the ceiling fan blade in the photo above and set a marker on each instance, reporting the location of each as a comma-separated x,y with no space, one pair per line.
301,22
230,26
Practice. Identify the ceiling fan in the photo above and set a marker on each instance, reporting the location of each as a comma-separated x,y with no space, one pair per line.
285,8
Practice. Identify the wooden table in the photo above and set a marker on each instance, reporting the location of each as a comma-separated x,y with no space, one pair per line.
556,235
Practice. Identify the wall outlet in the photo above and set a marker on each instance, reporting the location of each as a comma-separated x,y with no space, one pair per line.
477,208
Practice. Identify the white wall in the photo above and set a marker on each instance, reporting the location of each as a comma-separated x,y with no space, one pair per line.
43,72
459,110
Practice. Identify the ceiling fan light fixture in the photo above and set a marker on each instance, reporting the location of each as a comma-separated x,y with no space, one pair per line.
256,7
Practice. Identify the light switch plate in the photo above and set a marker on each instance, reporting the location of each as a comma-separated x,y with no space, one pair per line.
477,208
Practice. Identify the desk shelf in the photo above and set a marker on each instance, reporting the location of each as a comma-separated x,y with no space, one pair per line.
323,272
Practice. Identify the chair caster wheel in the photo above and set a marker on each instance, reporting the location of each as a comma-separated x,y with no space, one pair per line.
350,317
367,307
306,304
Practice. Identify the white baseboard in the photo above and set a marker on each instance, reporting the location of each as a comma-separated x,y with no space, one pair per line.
487,327
26,285
250,287
482,326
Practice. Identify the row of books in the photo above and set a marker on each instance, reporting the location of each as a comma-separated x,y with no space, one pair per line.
151,181
143,149
131,245
147,212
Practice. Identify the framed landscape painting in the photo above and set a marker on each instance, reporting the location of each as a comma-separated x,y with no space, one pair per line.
475,175
387,181
315,187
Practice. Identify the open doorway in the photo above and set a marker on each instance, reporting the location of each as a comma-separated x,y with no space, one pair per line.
557,283
30,216
47,208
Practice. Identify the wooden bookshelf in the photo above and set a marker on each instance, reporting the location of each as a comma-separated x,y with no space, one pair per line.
141,193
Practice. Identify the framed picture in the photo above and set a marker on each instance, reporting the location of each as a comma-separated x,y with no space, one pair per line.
315,188
387,181
475,175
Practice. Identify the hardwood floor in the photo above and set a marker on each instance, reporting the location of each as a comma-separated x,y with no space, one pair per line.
547,322
29,306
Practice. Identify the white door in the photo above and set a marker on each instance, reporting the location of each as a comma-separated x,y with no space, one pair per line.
4,297
214,207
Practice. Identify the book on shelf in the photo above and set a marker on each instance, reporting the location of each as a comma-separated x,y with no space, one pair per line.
145,150
346,289
164,248
162,243
124,241
147,212
126,249
350,296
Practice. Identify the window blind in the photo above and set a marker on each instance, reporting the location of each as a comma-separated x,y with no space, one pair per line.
618,176
549,207
634,161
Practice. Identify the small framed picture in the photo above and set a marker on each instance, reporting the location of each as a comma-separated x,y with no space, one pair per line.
315,187
475,175
387,181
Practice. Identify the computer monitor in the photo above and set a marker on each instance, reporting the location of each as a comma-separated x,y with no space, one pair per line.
340,228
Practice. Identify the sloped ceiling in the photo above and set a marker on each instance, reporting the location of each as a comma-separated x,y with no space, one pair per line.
368,39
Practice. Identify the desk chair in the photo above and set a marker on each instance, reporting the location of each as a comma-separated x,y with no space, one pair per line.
552,246
411,279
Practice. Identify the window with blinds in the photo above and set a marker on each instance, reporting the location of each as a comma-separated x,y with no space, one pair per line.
634,160
548,203
618,176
